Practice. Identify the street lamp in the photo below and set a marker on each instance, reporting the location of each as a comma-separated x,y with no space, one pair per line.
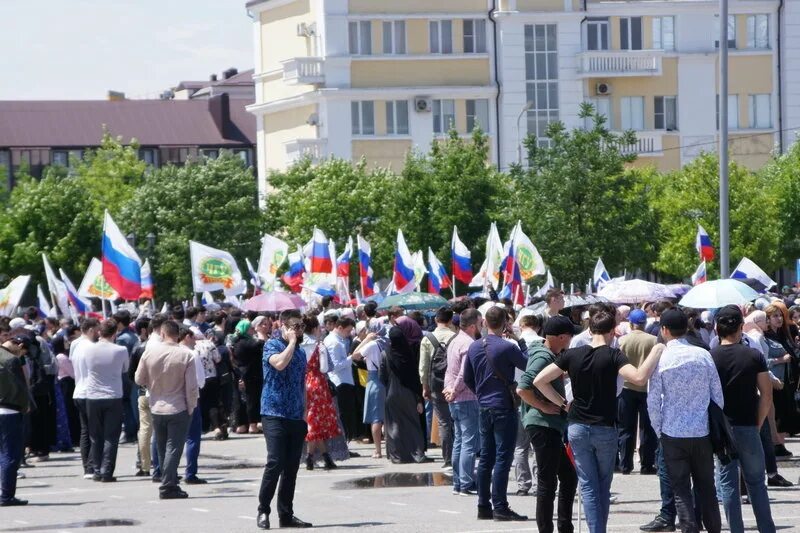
724,238
525,109
151,242
131,238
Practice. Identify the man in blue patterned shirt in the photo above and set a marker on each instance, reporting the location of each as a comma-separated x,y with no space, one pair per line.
283,419
681,388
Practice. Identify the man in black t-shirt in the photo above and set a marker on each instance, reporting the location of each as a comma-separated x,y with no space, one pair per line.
748,395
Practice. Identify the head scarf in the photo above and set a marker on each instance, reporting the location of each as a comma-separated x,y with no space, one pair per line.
411,330
379,329
242,328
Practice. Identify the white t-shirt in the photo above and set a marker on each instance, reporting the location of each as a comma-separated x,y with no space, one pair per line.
77,351
372,355
105,362
198,368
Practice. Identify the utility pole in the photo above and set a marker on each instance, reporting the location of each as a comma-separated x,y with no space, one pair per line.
724,236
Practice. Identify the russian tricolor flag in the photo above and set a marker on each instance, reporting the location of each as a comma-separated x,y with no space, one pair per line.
294,277
703,244
147,281
122,267
343,261
699,275
321,262
403,264
81,306
511,273
462,267
437,275
365,267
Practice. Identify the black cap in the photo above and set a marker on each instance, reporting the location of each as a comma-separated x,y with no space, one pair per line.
22,341
559,325
674,319
730,315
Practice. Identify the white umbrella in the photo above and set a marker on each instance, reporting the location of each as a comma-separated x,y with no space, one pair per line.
488,305
634,291
718,293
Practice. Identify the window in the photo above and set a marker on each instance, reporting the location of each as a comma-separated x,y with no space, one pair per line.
148,155
541,73
758,31
444,115
397,117
760,110
664,33
441,36
477,115
665,116
632,112
630,33
243,154
361,38
602,106
59,157
363,117
394,37
733,111
210,153
475,36
731,31
597,34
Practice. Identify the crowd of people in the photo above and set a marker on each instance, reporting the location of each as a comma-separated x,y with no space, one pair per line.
564,397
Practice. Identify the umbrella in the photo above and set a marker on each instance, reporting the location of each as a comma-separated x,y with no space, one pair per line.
488,305
378,297
679,289
274,301
634,291
572,300
413,301
535,309
718,293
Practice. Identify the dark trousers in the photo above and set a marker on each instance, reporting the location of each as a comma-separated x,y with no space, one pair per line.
11,447
252,391
348,411
73,419
442,410
105,425
553,466
769,448
130,409
498,437
211,410
193,438
85,443
170,433
632,415
285,440
691,460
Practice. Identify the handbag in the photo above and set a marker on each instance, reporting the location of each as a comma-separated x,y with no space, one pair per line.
511,386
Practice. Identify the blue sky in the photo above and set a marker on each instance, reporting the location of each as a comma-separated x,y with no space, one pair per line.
79,49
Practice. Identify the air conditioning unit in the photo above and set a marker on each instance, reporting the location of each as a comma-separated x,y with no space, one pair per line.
603,89
302,29
423,104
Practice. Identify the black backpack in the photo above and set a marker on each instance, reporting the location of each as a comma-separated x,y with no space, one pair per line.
438,363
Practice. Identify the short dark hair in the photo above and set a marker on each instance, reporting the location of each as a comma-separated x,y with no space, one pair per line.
444,315
157,321
183,332
289,313
661,306
31,313
311,322
496,317
178,312
345,322
192,312
469,317
219,317
170,328
123,316
395,311
602,322
417,317
461,306
371,309
603,307
530,321
552,293
326,301
89,323
108,328
142,323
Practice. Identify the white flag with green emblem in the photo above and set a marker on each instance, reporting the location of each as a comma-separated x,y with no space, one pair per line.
12,294
215,270
528,258
94,285
274,252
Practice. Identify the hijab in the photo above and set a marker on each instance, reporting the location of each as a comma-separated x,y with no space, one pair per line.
242,328
411,330
403,356
379,329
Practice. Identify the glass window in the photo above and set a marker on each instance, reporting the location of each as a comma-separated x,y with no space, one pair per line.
597,34
148,155
243,154
665,113
758,31
731,31
760,110
59,157
444,115
541,73
602,107
397,117
441,36
733,111
475,36
394,37
477,115
632,112
664,33
363,117
360,37
212,153
630,33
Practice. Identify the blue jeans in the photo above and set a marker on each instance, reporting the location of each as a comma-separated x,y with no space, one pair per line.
498,436
192,448
11,448
668,510
154,457
595,450
751,458
465,443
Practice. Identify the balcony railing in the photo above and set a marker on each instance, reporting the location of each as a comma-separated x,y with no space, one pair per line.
303,70
300,148
648,143
606,63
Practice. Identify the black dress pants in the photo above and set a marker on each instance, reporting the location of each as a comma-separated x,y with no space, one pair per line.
553,467
285,440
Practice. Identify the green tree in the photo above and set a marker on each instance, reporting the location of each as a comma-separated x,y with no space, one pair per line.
578,201
213,202
781,177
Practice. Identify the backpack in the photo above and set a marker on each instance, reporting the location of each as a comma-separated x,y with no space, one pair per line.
438,363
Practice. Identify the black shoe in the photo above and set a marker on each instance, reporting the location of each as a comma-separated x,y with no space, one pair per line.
156,479
781,451
142,473
778,481
485,513
194,480
262,521
293,521
659,523
309,463
13,502
96,477
354,454
521,492
648,471
108,479
176,494
329,464
508,516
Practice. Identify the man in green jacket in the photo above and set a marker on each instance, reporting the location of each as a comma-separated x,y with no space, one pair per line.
546,423
13,404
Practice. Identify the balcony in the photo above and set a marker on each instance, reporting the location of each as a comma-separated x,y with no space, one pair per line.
303,70
648,144
300,148
616,63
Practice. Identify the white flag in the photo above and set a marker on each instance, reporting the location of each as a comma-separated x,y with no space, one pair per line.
12,294
56,287
44,305
527,256
214,270
419,269
494,256
273,254
94,285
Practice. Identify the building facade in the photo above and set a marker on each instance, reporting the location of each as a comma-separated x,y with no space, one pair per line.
360,78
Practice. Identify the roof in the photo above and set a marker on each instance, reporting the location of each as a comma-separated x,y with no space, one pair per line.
150,122
243,78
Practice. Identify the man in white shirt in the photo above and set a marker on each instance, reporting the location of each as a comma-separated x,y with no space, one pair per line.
89,334
105,362
193,437
338,344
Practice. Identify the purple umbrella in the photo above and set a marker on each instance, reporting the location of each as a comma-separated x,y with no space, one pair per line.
274,302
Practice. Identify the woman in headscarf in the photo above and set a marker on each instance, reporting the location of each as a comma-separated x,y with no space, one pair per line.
404,412
786,369
247,353
372,347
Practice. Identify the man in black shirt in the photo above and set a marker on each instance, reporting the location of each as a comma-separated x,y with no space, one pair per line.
748,395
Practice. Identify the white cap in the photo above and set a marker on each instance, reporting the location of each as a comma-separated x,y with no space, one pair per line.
17,323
